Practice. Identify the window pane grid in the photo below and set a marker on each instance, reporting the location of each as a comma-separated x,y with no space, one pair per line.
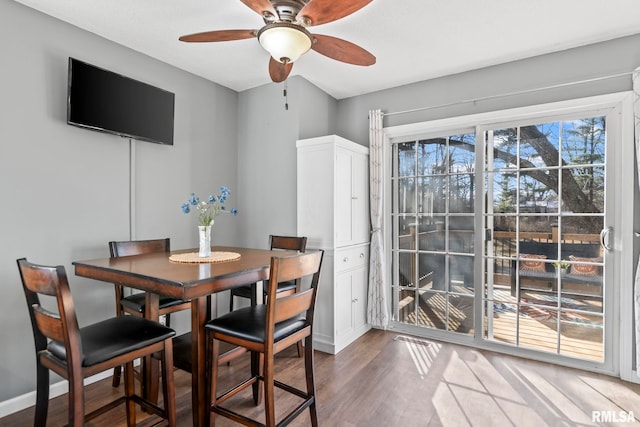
433,237
545,207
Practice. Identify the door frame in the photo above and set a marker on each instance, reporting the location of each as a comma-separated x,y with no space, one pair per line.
621,314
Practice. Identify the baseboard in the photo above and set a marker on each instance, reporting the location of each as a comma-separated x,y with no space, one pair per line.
328,345
324,346
27,400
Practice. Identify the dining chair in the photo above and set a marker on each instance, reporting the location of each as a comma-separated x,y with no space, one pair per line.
135,303
288,243
266,329
77,353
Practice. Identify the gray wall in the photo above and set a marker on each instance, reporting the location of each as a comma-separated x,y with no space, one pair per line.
267,138
602,59
65,190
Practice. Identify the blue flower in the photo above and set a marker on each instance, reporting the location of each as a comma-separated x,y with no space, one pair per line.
208,210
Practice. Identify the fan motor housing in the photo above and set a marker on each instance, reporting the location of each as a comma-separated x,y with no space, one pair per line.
287,9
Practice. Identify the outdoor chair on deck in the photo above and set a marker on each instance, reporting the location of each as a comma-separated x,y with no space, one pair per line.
77,353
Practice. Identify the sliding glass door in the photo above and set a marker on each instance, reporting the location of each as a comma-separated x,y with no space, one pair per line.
500,234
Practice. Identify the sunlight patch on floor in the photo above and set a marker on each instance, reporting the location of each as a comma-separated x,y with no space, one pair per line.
422,352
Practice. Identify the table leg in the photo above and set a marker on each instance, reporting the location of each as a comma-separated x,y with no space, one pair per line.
151,368
200,408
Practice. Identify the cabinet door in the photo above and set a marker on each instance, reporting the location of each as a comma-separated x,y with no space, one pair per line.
343,305
343,213
360,219
352,198
351,301
359,294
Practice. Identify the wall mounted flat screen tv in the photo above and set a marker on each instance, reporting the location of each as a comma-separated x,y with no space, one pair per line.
105,101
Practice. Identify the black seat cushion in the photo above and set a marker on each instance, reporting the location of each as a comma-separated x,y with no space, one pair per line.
113,337
249,324
136,302
245,291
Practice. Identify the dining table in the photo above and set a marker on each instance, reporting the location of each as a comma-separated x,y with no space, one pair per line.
180,275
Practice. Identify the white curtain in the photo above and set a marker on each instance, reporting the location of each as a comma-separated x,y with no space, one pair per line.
377,306
636,293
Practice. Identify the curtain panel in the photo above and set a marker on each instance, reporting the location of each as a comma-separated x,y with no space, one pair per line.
377,305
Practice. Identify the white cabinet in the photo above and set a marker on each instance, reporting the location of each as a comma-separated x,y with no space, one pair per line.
333,213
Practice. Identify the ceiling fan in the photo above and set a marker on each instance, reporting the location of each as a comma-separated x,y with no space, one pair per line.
285,35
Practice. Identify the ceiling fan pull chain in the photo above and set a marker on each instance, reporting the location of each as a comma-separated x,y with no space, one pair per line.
286,98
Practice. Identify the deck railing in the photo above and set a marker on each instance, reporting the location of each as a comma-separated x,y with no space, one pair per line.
504,244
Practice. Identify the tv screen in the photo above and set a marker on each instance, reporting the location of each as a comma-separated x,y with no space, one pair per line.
108,102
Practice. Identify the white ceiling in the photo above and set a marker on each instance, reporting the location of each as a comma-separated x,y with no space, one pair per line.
413,40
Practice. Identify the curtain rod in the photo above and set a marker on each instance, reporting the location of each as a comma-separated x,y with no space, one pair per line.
503,95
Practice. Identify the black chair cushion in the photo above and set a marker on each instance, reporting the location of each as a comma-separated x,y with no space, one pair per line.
136,302
114,337
245,291
249,324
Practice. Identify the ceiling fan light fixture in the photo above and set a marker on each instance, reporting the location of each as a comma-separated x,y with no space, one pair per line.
285,41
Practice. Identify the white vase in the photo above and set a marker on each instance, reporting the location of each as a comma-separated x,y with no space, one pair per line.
204,232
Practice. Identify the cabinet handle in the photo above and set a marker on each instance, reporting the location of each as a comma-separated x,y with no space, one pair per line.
361,255
345,259
354,300
354,198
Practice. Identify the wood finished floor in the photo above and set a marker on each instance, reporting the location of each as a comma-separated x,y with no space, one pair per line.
386,379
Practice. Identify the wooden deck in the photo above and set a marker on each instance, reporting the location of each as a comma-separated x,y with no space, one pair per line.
581,332
575,341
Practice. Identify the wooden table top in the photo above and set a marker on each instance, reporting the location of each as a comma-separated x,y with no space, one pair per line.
156,273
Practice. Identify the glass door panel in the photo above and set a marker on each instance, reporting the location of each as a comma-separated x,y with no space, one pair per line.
543,263
434,187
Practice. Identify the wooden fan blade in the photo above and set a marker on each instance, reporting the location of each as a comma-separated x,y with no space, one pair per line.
261,7
323,11
342,50
218,36
279,71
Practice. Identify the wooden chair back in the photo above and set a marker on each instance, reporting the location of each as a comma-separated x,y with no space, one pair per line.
292,268
289,243
62,326
134,247
139,247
